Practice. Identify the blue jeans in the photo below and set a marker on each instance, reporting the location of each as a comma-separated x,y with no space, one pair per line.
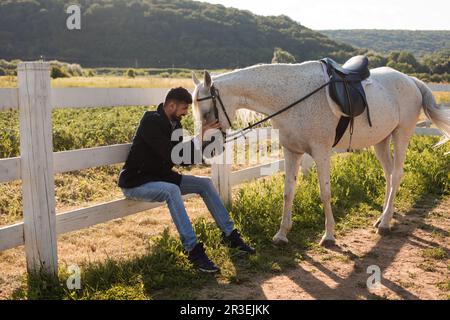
160,191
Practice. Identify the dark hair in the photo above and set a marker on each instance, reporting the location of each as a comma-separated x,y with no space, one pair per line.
179,94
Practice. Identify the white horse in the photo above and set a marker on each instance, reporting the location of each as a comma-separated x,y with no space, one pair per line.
395,102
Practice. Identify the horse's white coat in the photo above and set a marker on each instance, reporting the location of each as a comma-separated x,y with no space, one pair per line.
395,101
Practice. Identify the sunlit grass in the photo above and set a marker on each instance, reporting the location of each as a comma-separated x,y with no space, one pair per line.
108,82
164,272
122,82
442,97
8,81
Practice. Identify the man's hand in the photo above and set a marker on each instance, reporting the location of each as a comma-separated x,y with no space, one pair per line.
210,126
205,127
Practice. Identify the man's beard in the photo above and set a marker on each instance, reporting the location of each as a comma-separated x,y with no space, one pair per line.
174,117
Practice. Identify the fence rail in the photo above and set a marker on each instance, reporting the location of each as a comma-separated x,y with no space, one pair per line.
9,99
37,164
111,97
89,97
442,87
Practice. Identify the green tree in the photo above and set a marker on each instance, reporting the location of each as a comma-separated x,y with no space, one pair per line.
282,56
438,62
376,60
408,58
156,33
58,72
131,73
400,66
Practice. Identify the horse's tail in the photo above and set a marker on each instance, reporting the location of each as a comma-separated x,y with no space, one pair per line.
438,114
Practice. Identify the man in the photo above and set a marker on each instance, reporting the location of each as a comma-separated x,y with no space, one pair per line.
148,176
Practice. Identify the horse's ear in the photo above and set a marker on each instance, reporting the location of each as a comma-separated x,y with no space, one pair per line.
208,81
195,79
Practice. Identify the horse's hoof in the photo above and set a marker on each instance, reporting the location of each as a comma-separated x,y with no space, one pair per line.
280,240
376,224
383,231
327,243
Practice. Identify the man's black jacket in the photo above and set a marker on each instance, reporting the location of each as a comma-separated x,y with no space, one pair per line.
150,154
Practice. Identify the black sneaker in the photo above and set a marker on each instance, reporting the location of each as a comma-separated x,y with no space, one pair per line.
200,260
234,240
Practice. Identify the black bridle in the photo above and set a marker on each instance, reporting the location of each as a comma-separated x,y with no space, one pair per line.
216,96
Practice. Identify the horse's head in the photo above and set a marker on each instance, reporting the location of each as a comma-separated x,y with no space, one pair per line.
208,105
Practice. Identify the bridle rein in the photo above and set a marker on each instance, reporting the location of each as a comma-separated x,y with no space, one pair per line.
215,95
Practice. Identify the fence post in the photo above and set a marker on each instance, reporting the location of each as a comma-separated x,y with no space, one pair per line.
36,161
221,174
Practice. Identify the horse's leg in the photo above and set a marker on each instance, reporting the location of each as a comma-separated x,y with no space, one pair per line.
401,138
322,157
383,153
291,164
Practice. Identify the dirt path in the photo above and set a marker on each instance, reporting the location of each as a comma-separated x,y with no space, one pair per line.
413,260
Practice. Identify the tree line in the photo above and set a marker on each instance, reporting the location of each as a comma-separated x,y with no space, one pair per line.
154,33
176,33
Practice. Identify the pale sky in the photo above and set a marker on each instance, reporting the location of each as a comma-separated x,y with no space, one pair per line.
354,14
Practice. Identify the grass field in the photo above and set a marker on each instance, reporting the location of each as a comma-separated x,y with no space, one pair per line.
442,97
107,82
358,190
163,271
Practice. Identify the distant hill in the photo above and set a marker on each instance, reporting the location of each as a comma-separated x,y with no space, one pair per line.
384,41
155,33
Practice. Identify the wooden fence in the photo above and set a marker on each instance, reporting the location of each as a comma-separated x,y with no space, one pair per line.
37,164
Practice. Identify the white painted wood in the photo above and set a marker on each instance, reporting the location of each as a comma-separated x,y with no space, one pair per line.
109,97
12,236
214,174
86,217
106,97
88,158
36,157
221,172
443,87
224,179
71,160
422,124
306,165
9,99
9,169
246,175
225,186
428,132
